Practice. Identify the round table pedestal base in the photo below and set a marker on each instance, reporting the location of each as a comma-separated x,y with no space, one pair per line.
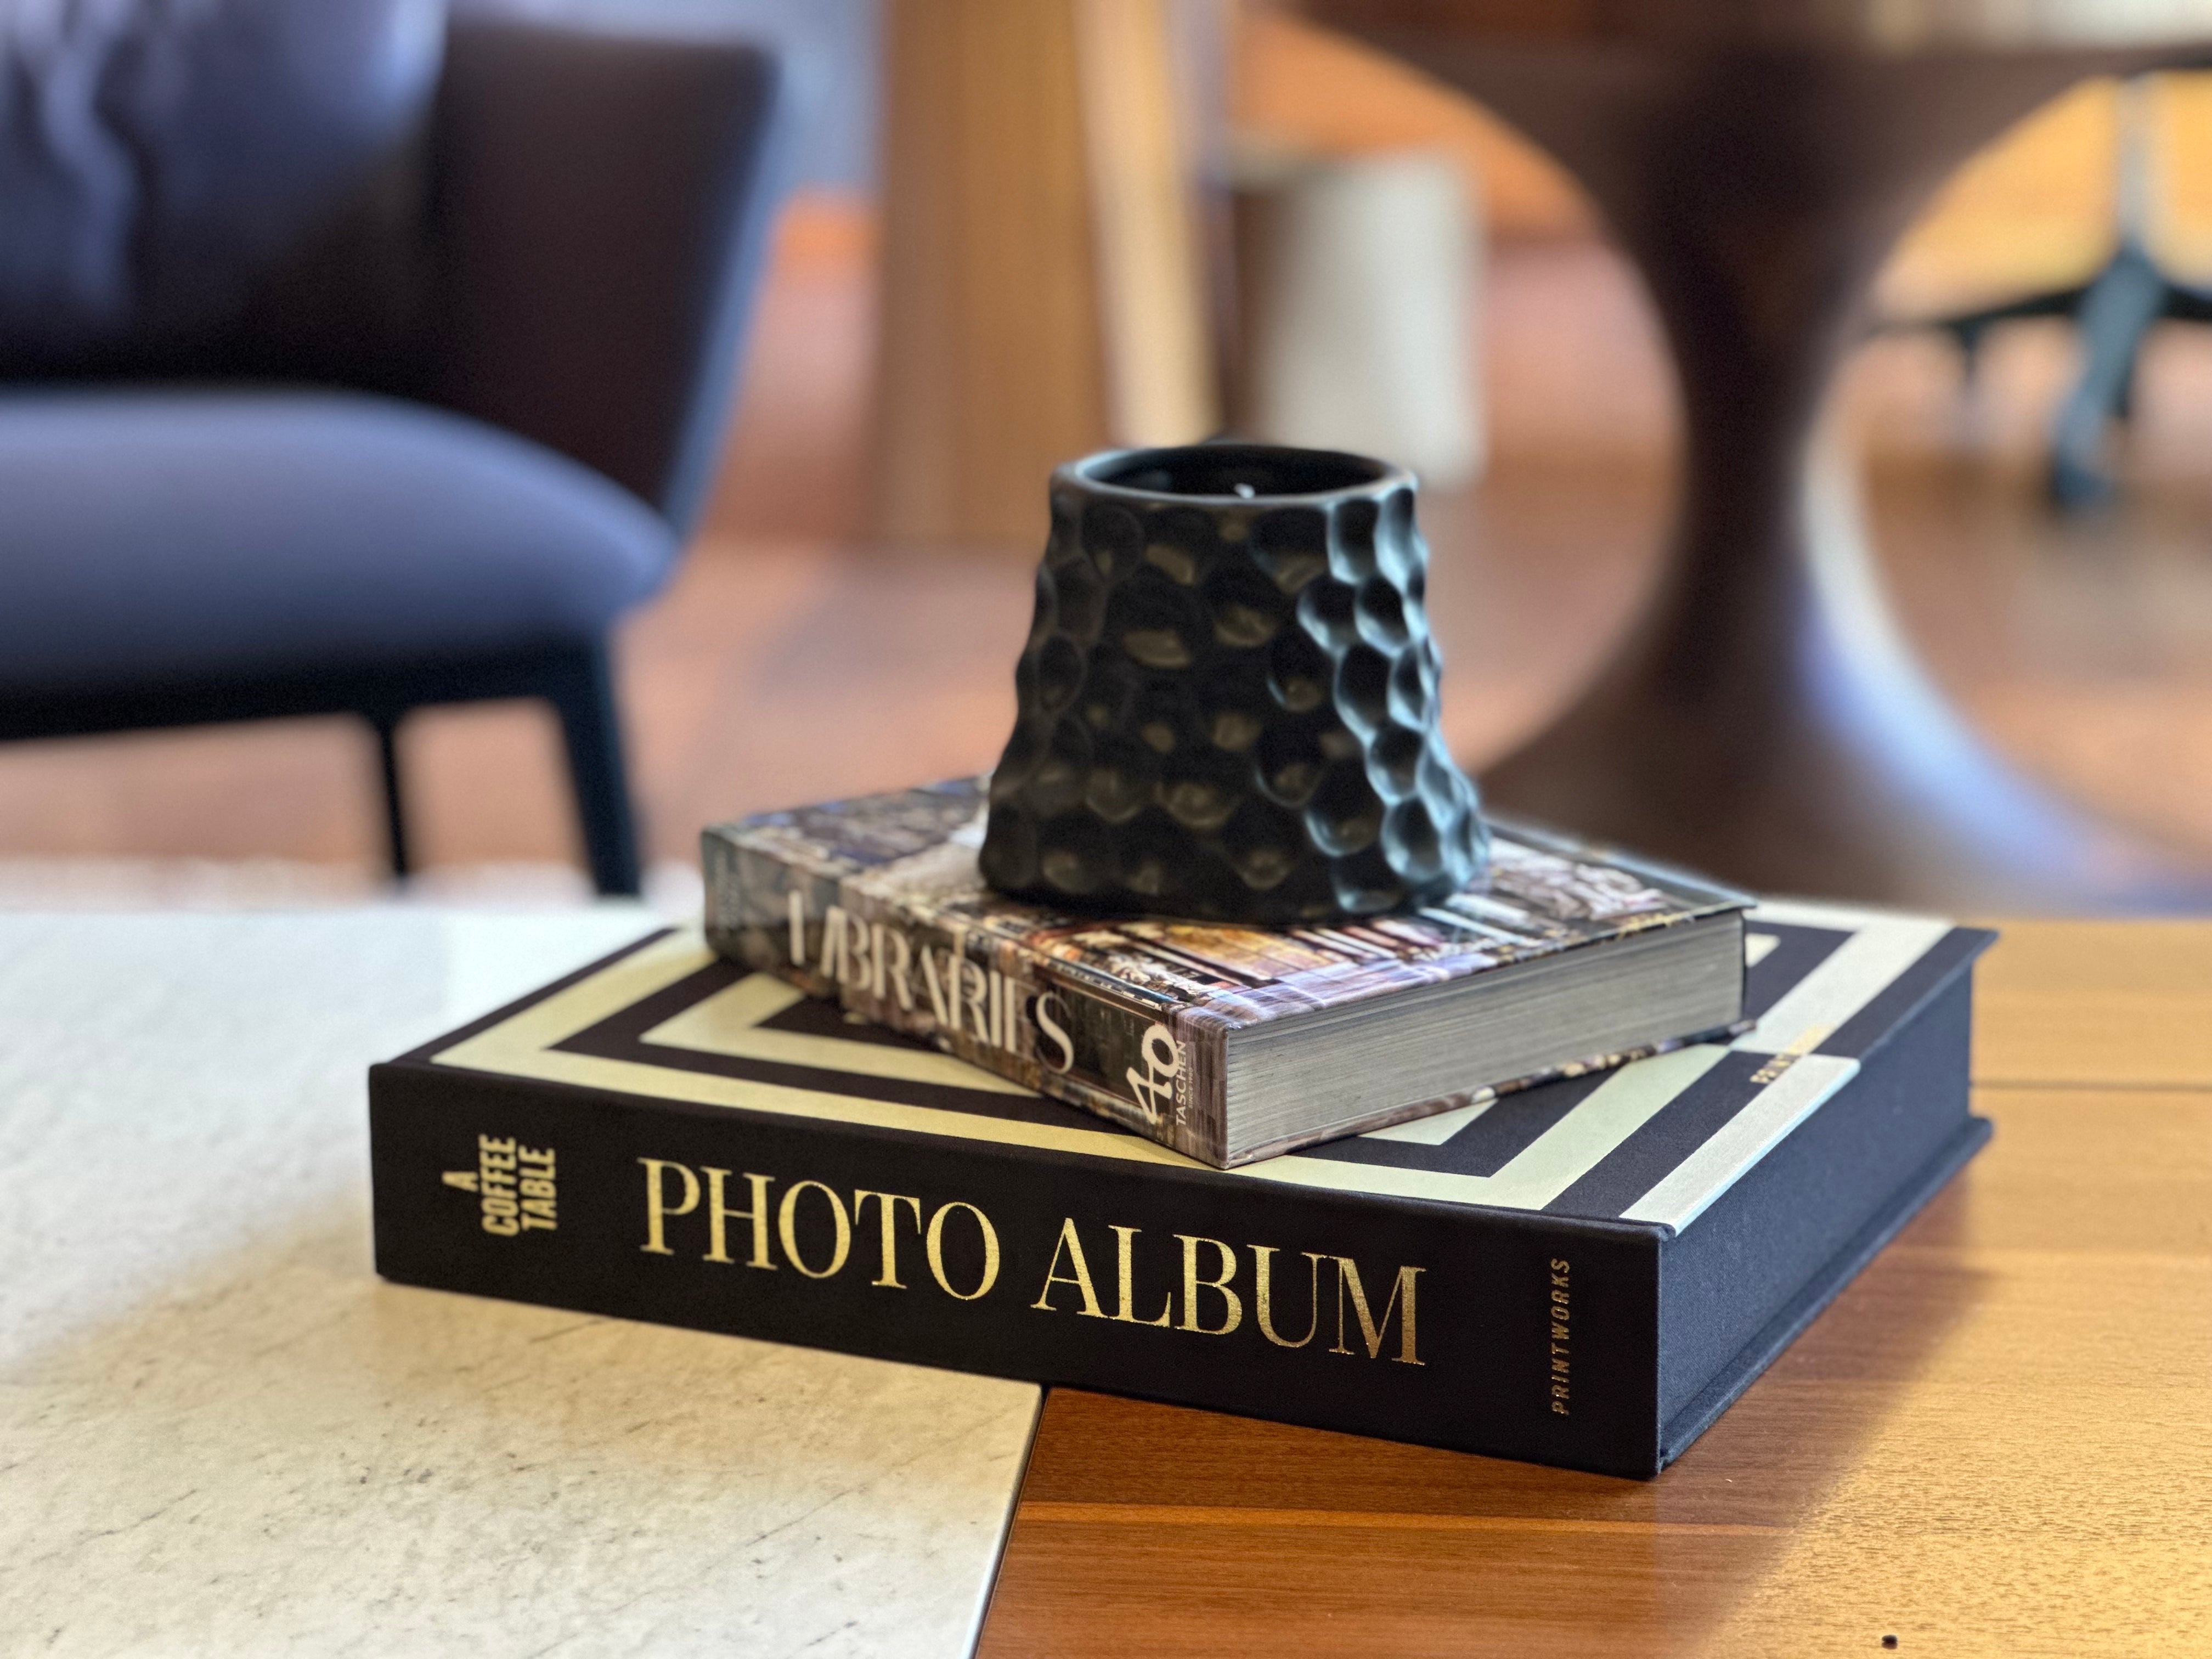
1765,722
1833,768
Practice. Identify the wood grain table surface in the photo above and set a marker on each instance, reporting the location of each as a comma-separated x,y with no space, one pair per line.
1998,1440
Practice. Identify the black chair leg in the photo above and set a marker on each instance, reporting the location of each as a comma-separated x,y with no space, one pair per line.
1967,333
2116,313
386,727
582,692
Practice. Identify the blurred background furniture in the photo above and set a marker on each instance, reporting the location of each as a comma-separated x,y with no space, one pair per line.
1048,289
797,654
1358,284
1765,718
2116,304
349,363
1064,270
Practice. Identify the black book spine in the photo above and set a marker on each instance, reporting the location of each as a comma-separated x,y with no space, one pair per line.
1518,1335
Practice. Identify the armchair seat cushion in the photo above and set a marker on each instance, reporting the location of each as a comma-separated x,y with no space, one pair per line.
174,536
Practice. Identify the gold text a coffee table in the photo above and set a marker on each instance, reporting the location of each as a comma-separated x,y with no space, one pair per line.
1756,160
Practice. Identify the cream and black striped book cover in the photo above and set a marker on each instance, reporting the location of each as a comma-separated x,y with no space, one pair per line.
1582,1273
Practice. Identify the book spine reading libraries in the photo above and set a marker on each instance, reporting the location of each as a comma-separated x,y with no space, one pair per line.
1093,1044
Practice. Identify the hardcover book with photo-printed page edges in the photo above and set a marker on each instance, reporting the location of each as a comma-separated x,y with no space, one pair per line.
1156,1023
1583,1273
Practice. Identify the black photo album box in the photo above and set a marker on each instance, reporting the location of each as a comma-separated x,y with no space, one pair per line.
1582,1273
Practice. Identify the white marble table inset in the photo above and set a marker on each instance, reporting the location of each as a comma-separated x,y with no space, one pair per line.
220,1433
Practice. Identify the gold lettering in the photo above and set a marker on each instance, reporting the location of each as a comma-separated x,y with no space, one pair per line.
1072,1247
719,1213
657,1208
503,1225
1263,1257
786,1228
1798,1047
495,1148
1126,1240
1347,1278
1233,1306
887,1212
935,1244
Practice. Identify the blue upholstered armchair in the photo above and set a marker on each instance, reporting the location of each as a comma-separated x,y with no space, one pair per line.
352,361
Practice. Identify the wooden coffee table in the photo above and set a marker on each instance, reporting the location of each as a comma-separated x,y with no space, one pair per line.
1998,1440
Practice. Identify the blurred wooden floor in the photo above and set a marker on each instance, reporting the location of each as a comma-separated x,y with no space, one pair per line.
788,661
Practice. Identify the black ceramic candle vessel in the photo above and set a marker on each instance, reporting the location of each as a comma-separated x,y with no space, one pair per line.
1228,699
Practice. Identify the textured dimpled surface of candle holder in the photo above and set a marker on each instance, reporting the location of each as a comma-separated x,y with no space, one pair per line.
1229,697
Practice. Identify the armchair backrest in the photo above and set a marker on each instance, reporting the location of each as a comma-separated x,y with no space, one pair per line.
234,187
602,208
555,229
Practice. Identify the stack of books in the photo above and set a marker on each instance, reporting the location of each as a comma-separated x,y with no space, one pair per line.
1551,1170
